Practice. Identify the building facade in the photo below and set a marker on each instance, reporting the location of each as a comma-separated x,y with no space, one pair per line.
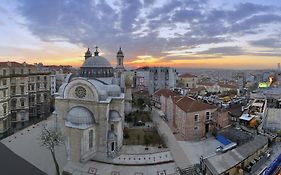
25,94
187,80
90,111
154,78
193,119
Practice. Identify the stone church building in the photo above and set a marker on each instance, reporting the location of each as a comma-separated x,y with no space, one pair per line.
90,110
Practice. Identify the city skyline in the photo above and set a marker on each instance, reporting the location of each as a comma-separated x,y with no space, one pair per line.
182,34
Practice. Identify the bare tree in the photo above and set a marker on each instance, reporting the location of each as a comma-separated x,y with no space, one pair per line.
49,139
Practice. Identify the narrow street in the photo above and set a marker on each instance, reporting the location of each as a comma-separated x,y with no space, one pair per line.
164,131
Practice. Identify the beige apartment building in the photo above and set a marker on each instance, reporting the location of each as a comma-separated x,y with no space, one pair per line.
187,80
24,95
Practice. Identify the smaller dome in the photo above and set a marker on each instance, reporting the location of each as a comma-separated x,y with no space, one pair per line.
79,117
111,135
114,116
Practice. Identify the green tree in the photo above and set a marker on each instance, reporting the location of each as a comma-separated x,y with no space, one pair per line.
50,138
140,103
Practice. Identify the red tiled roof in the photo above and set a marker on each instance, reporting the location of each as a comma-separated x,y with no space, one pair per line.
165,93
188,104
176,98
187,75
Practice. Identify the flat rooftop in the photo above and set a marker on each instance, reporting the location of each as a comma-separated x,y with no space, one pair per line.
273,119
194,150
222,162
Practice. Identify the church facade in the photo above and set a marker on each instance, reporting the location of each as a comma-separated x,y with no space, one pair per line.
90,111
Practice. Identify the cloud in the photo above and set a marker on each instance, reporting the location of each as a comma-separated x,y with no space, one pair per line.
231,50
138,25
268,42
255,22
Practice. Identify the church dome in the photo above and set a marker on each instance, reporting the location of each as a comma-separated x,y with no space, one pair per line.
96,67
80,116
96,61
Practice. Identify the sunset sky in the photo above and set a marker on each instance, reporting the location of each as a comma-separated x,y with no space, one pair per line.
238,34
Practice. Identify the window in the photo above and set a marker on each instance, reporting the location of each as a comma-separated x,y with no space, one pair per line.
4,82
208,115
13,71
31,99
37,85
196,128
45,97
45,85
21,71
112,146
31,87
4,93
45,78
196,117
112,127
22,89
4,108
38,78
14,103
91,139
4,72
22,102
13,90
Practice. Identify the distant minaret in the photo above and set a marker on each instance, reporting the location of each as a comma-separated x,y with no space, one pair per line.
88,54
120,58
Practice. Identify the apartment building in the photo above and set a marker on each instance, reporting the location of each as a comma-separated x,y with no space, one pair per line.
24,95
154,78
187,80
193,119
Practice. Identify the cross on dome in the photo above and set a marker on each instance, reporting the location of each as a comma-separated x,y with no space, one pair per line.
96,52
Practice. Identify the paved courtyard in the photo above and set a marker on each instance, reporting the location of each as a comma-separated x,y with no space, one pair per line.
26,144
98,168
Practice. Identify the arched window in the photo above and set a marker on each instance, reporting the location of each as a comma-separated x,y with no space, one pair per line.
5,108
90,139
14,103
112,127
112,146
